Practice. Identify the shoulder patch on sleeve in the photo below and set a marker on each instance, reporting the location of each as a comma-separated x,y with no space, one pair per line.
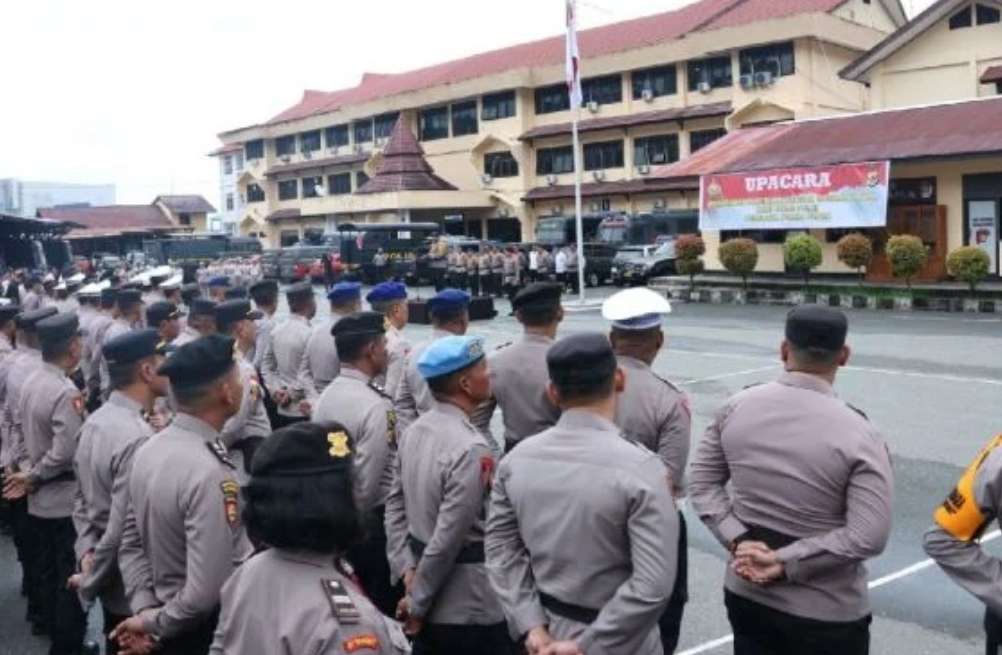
959,515
369,641
79,406
487,471
230,491
218,450
391,426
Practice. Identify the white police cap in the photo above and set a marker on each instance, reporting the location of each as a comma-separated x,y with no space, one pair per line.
636,309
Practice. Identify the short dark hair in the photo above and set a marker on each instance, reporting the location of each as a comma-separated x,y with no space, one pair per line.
441,316
122,375
297,304
350,347
53,351
585,391
815,356
188,395
538,316
384,306
267,296
311,512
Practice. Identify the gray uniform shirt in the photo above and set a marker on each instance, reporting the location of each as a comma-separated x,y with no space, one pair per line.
26,361
282,361
655,413
103,459
182,536
116,328
397,348
264,326
353,400
53,411
801,462
582,515
519,378
440,487
960,555
7,358
320,363
413,397
94,340
251,420
252,623
187,335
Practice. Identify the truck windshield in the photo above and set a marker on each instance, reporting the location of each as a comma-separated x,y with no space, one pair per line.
551,230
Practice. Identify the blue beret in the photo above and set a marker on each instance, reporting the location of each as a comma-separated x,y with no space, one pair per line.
449,299
344,292
386,291
450,354
219,281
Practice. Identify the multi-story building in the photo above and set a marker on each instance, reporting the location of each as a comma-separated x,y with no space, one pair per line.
231,200
25,198
497,126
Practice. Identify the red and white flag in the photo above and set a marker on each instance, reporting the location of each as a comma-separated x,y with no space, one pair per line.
573,56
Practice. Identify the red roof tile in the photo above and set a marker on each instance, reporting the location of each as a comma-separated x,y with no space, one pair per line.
283,214
112,219
631,120
186,204
592,189
993,74
945,130
607,39
404,167
340,160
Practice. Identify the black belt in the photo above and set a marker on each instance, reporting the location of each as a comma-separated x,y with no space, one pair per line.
67,476
568,611
468,554
771,538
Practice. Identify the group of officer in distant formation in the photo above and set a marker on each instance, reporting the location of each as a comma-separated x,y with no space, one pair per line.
223,480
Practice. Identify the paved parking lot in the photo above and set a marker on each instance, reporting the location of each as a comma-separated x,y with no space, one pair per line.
932,384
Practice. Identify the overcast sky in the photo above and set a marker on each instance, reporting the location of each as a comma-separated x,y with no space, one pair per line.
134,93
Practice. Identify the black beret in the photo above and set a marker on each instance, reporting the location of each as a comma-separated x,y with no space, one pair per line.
581,360
359,324
128,297
58,328
538,295
8,312
817,327
133,346
304,449
299,290
231,311
203,307
264,287
29,320
162,311
202,360
235,292
191,290
109,295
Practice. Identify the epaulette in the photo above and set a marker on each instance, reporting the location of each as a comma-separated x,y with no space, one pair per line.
379,389
858,411
753,384
217,448
504,345
671,385
341,603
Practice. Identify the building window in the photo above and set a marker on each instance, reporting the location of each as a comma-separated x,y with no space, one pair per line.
363,131
497,106
464,118
776,58
255,193
604,90
961,19
254,149
339,185
285,145
434,123
500,164
552,98
185,219
227,165
715,71
602,155
701,138
385,124
336,136
998,88
288,238
313,187
660,81
360,179
229,202
310,141
912,191
988,15
288,189
552,161
238,162
655,150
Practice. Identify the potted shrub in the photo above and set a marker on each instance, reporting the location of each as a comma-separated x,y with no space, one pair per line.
802,253
689,248
855,251
740,257
907,255
969,264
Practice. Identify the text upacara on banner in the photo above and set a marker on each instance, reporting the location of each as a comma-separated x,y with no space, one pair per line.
817,197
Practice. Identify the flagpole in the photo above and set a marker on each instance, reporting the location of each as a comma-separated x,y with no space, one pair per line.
573,64
578,223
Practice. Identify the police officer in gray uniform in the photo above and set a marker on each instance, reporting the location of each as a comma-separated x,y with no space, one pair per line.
265,296
246,429
201,321
357,402
954,542
797,484
654,413
183,534
300,502
103,459
128,316
284,354
450,315
94,340
165,318
320,364
52,411
435,514
518,370
581,521
390,299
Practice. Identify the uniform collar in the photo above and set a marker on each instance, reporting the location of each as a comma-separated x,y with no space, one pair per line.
52,368
300,318
195,425
34,353
121,400
313,558
582,419
532,337
806,381
632,362
451,410
348,371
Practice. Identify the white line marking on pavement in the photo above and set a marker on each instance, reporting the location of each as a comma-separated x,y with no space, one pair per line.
723,376
873,584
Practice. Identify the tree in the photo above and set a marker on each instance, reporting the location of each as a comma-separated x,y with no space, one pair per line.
969,264
907,255
855,251
739,256
802,253
688,250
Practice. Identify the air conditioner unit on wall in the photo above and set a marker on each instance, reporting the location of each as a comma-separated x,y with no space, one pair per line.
557,210
704,87
358,148
285,159
551,180
660,203
594,207
643,169
764,78
598,175
486,179
593,106
647,95
307,154
332,150
747,82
